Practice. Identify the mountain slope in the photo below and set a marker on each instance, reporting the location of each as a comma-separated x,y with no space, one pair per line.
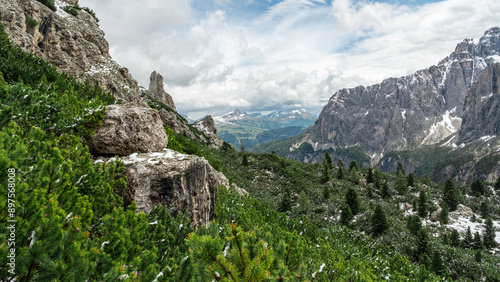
424,108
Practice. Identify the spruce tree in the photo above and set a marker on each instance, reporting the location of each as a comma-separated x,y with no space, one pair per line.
478,256
478,188
467,242
244,161
352,165
477,244
340,173
354,175
422,242
286,201
455,239
497,184
413,224
351,199
340,164
304,203
400,170
489,234
444,216
450,195
422,204
485,210
328,159
410,180
370,178
325,176
326,192
437,265
346,215
379,221
385,193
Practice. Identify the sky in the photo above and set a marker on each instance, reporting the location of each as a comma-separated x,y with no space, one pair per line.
262,55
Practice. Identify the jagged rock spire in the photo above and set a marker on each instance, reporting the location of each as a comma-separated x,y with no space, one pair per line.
157,90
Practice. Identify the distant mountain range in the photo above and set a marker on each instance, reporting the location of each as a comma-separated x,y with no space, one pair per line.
440,122
257,127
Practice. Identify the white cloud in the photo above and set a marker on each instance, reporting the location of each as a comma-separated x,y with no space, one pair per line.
295,54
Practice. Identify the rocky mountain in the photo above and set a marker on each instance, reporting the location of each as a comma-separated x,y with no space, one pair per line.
254,128
414,111
68,36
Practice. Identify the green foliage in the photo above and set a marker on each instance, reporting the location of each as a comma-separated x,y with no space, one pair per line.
30,22
49,3
478,187
286,201
437,264
370,178
352,165
489,234
455,238
90,12
304,203
444,216
497,184
346,215
385,193
422,204
172,143
468,240
450,195
413,224
353,153
379,221
484,210
328,160
410,180
351,199
72,10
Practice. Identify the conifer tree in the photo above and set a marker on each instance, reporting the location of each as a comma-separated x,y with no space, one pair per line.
328,159
455,239
340,164
379,221
413,224
286,201
497,184
244,161
450,195
422,242
370,178
340,173
445,239
385,193
346,215
242,146
437,265
325,176
478,188
444,216
422,204
478,256
351,199
352,165
467,242
326,192
400,170
485,210
369,191
489,234
354,175
304,203
477,244
410,180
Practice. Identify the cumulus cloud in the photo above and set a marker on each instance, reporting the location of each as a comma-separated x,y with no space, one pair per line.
216,55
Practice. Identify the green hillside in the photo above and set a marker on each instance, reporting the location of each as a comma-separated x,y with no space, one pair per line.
301,222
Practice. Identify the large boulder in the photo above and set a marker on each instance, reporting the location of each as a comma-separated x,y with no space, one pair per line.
181,182
128,129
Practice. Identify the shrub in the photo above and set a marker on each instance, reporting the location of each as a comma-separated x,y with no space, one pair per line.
30,22
49,3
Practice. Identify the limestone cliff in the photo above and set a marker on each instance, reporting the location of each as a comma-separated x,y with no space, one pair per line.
72,42
157,91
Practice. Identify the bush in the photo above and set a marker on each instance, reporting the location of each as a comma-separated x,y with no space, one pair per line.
30,22
49,3
72,10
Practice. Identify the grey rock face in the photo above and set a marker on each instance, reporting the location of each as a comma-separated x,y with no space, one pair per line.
181,182
73,44
481,117
407,112
207,126
157,90
129,129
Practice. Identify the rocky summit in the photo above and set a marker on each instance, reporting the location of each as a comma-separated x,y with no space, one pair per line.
424,108
71,40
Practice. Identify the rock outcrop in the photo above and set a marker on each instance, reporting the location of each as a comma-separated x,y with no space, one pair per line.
181,182
207,126
157,91
127,129
73,44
